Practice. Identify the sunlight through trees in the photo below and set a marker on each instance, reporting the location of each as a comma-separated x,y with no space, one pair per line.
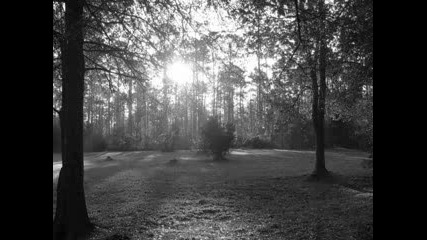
142,75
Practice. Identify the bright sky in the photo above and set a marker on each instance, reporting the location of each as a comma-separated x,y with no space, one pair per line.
217,21
179,72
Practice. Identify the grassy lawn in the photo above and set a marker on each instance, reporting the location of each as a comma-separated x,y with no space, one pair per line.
256,194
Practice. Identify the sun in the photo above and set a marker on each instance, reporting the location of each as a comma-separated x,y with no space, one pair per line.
179,72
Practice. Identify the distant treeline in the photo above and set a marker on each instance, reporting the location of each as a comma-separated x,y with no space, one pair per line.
298,135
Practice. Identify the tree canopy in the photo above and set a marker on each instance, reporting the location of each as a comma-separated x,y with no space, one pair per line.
291,74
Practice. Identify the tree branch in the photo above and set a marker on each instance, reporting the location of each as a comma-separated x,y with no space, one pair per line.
298,20
99,67
57,111
109,47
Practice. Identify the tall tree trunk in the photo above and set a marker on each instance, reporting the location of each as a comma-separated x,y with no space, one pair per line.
213,84
138,113
165,99
186,113
144,97
251,116
240,126
130,103
231,105
71,217
260,112
61,126
319,97
109,113
318,124
101,119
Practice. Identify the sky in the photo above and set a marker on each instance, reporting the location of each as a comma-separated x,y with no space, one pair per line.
214,21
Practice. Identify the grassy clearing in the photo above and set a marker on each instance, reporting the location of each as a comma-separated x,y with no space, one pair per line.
257,194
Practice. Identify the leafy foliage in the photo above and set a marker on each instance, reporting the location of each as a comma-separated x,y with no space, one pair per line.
129,44
256,142
216,138
169,139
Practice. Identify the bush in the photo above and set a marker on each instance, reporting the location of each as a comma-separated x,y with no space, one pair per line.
182,142
168,140
200,146
94,143
239,142
297,134
216,139
99,143
122,143
257,142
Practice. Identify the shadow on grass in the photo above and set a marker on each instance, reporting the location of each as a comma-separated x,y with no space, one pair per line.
294,208
107,174
136,191
194,192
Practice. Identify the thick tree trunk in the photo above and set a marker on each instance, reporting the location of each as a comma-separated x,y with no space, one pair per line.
218,156
61,126
90,98
71,217
318,124
319,97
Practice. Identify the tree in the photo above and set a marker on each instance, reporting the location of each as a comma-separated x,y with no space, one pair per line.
71,217
216,138
309,36
93,36
318,79
229,77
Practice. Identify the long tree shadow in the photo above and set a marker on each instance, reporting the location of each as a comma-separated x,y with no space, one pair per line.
221,197
273,208
150,195
136,189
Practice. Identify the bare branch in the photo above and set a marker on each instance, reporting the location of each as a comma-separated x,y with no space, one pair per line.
57,111
298,20
99,67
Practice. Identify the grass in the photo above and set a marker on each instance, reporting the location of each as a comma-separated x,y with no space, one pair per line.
256,194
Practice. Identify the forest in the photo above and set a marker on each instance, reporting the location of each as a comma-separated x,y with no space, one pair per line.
244,62
142,76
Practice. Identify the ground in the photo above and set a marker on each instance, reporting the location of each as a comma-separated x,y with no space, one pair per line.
255,194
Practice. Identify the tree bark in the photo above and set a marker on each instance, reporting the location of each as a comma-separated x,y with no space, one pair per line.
61,126
318,124
165,99
130,114
71,218
319,97
186,114
213,84
260,118
109,113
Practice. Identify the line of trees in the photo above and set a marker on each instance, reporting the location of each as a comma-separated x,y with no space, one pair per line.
310,86
123,113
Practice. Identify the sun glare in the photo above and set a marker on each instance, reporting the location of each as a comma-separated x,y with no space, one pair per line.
179,72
